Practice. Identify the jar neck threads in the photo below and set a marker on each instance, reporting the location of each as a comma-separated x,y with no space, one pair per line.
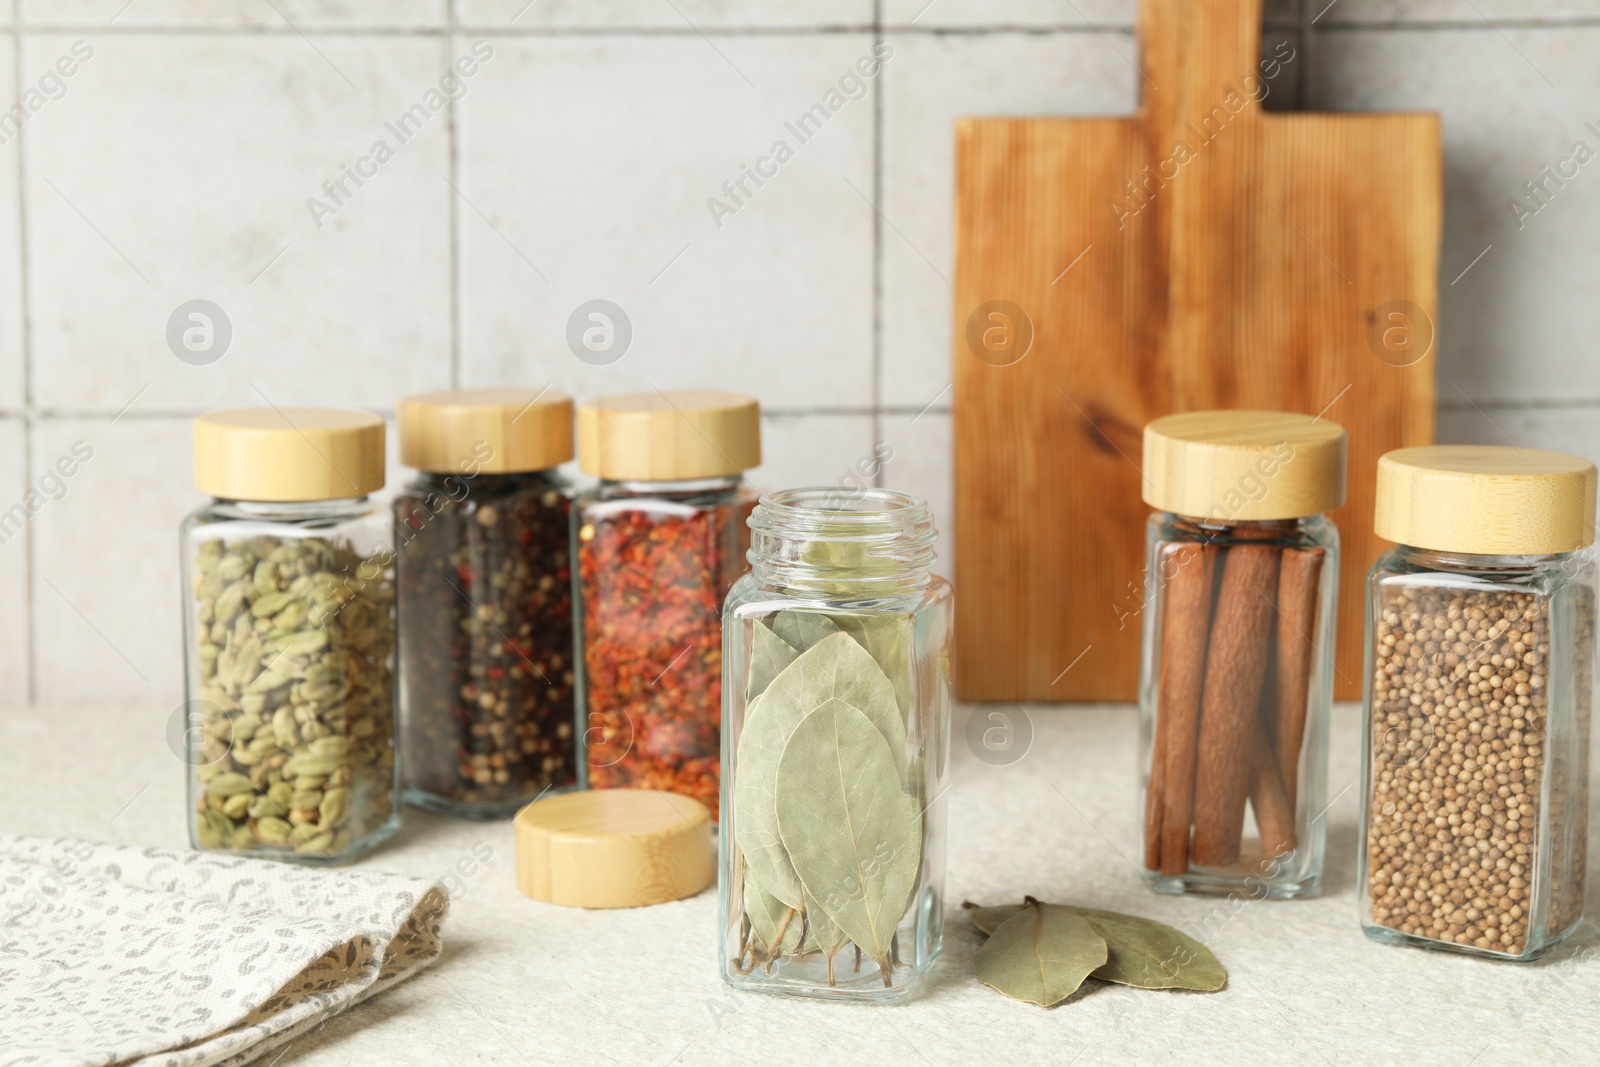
854,543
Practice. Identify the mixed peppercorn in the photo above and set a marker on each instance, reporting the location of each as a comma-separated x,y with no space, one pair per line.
486,641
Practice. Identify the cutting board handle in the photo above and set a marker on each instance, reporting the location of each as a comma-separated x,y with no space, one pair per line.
1200,60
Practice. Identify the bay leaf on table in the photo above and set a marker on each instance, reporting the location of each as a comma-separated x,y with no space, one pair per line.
769,655
1150,955
986,919
1140,952
853,835
1040,955
837,668
801,630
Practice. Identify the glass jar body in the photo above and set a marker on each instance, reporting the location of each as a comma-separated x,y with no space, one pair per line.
654,562
836,747
1480,673
289,635
1236,683
485,613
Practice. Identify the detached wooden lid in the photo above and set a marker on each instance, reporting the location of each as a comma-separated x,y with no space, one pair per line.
666,437
1487,500
288,454
496,431
1244,466
614,848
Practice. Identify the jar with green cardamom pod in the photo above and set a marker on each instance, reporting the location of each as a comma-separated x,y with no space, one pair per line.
835,748
289,636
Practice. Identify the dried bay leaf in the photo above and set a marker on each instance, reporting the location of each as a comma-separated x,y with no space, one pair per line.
853,836
837,668
1141,952
776,926
987,919
769,655
1041,954
1151,955
802,630
887,639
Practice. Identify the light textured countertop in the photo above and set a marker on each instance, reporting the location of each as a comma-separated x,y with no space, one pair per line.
523,983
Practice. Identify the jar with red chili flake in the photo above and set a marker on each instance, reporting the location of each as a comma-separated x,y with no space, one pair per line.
659,542
485,600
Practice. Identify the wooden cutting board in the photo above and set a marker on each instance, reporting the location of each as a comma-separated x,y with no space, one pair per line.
1283,261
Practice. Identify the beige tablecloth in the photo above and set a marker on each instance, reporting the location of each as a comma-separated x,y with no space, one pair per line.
113,955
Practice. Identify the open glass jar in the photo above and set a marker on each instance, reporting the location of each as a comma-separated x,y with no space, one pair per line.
1236,674
485,600
289,636
1480,675
835,748
658,544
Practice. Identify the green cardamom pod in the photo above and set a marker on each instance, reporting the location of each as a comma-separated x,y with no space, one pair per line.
228,784
273,830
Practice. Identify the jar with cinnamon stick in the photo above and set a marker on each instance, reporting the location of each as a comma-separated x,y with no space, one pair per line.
1480,674
1237,672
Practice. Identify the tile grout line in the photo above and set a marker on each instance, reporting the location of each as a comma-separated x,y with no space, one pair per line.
829,29
878,116
453,147
47,415
1302,76
25,325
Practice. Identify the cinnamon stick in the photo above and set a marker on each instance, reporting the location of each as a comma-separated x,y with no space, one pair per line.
1268,798
1185,625
1298,583
1153,798
1235,669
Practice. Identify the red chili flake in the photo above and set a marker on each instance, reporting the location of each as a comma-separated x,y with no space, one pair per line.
652,584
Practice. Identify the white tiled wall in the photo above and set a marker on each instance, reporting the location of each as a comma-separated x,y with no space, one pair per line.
576,163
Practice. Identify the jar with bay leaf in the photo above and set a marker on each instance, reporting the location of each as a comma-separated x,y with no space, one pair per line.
289,636
1236,676
1480,678
835,748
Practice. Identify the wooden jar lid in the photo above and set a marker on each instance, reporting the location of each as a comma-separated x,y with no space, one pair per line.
614,848
495,431
669,436
288,454
1244,466
1489,500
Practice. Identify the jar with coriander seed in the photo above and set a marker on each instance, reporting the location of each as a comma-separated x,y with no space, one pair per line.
1480,675
1236,677
485,600
658,543
835,748
289,635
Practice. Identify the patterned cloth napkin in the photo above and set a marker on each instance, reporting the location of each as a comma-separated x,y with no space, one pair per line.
118,955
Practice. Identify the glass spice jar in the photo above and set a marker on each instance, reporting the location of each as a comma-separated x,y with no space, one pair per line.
836,748
289,636
659,542
485,600
1236,676
1480,673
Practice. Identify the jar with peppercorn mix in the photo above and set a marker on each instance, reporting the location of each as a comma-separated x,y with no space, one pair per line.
289,636
658,543
485,600
1480,673
835,748
1237,678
